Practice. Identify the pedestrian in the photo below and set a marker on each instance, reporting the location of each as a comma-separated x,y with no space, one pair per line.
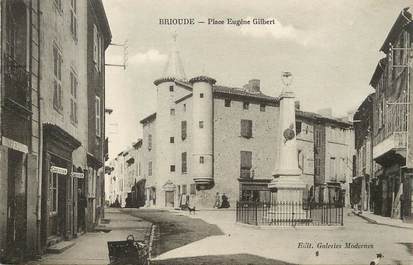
217,201
225,202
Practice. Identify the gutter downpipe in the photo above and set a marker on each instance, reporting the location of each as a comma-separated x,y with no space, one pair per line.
40,157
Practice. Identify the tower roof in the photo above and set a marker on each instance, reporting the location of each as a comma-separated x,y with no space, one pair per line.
174,67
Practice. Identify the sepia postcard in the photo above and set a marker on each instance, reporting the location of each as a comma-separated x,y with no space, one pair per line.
173,132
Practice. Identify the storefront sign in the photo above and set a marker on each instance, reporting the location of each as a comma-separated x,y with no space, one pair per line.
14,145
58,170
78,175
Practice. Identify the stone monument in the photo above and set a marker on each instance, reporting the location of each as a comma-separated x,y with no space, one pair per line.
287,188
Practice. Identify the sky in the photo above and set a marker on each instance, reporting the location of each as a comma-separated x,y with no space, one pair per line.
330,47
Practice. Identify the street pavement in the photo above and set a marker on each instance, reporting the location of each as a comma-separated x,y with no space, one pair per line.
249,243
282,243
91,248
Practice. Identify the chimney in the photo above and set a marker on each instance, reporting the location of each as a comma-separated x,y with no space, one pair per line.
254,85
297,104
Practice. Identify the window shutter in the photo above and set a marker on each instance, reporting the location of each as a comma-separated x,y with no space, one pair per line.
246,128
95,43
183,130
246,159
184,162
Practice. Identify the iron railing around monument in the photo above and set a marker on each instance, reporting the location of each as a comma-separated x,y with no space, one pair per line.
288,213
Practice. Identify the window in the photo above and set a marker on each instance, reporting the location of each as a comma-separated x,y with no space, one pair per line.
97,48
333,172
184,107
73,97
171,140
172,112
53,179
183,189
98,117
227,103
57,82
73,18
201,124
246,164
246,128
192,188
262,107
150,168
201,160
183,162
246,105
171,88
172,168
150,142
201,95
183,130
11,39
58,5
381,112
298,127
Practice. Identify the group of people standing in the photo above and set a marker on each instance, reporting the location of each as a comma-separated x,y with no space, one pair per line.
221,201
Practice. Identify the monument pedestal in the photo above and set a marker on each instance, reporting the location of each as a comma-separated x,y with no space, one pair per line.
287,199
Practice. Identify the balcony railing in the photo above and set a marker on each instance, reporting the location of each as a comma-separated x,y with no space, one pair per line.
395,141
16,79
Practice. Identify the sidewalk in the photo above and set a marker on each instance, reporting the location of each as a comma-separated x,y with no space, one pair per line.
380,220
282,244
91,248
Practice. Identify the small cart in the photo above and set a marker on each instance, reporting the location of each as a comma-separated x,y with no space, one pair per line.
128,252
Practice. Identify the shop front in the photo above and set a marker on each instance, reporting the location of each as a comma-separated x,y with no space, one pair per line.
58,200
254,190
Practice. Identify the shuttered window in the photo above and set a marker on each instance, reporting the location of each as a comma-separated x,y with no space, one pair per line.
193,189
246,164
246,128
183,130
73,18
73,97
183,162
150,142
98,117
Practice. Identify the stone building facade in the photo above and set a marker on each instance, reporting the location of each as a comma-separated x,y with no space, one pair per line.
206,139
392,182
19,124
45,110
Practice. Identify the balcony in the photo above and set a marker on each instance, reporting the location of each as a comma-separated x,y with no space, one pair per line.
395,143
17,84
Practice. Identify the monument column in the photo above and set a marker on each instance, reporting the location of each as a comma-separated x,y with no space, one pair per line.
287,186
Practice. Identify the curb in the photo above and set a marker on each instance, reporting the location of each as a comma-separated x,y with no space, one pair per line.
153,236
369,220
372,221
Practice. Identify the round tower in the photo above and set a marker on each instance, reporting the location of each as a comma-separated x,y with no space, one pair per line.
202,162
165,165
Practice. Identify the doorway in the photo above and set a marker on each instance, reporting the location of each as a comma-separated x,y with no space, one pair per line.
16,205
169,198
